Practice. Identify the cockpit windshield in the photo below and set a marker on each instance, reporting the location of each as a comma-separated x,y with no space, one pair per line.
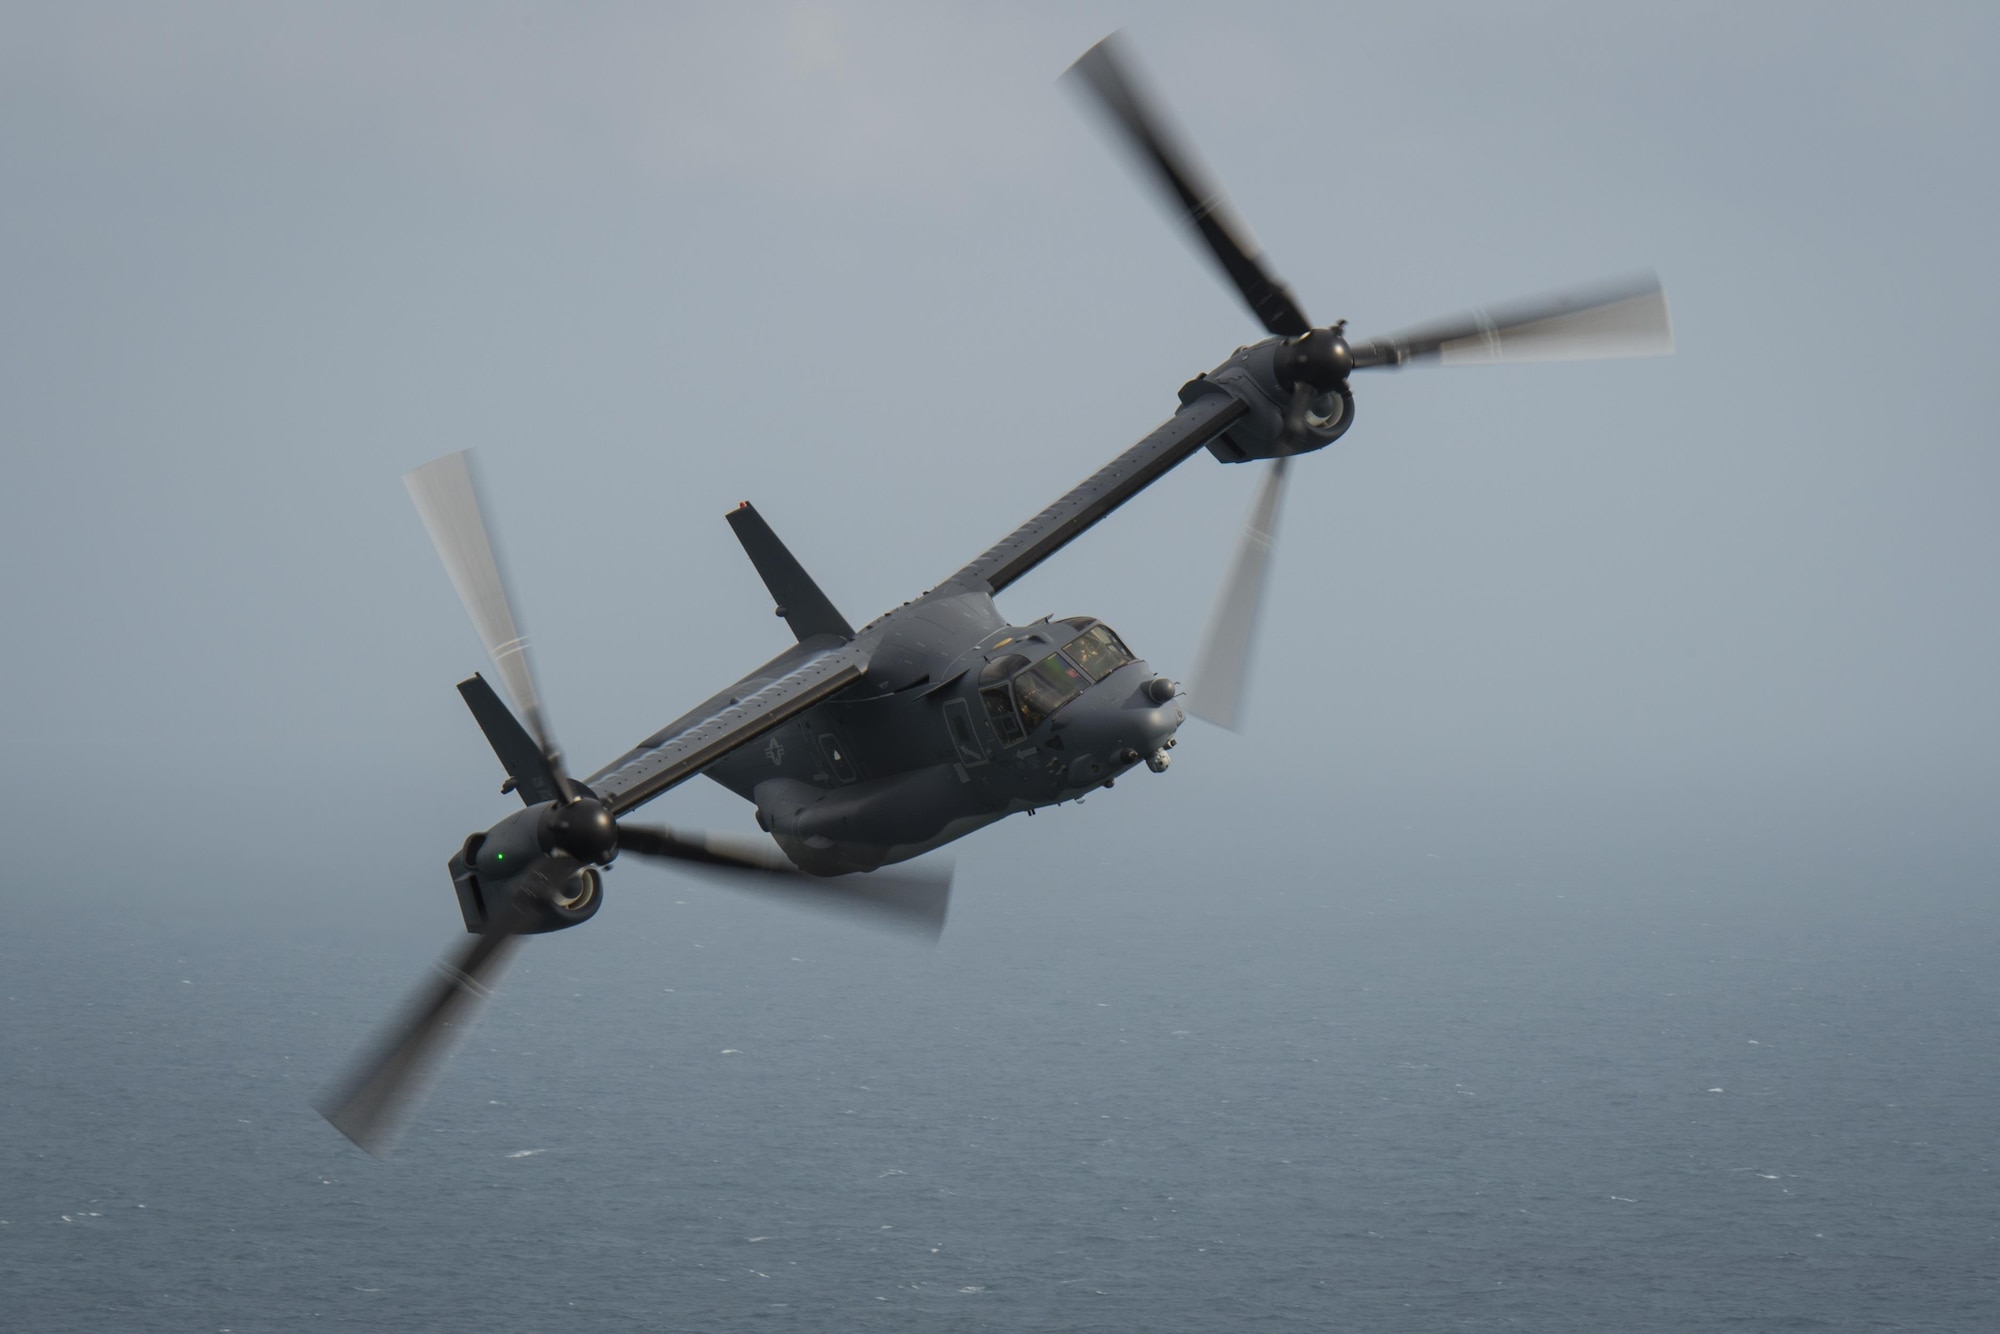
1046,687
1098,651
1020,696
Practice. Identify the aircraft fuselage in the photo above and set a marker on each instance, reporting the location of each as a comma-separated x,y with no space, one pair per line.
960,720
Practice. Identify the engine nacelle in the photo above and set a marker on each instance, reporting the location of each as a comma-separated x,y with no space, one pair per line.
490,867
1252,377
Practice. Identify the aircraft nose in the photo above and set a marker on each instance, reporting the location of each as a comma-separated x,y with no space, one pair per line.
1161,722
1157,724
1130,725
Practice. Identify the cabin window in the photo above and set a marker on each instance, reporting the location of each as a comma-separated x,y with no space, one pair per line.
1046,687
1098,651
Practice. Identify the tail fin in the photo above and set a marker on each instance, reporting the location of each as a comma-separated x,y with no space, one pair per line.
800,602
527,768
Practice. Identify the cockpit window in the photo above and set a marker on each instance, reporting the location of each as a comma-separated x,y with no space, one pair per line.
1046,687
1018,696
1002,667
999,704
1098,651
998,699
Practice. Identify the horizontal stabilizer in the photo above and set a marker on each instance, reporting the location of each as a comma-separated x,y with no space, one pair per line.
519,755
800,602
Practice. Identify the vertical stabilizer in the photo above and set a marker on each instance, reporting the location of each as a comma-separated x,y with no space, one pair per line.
523,760
799,600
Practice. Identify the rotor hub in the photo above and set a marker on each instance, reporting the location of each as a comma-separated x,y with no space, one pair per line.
583,829
1318,357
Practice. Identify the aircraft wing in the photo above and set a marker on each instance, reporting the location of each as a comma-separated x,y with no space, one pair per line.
783,688
1186,432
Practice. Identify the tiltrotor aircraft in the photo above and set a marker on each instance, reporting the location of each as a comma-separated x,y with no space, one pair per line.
863,748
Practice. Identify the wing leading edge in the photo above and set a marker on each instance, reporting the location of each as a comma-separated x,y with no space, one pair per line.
785,688
1177,439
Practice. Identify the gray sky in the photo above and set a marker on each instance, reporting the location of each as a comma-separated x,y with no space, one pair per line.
872,268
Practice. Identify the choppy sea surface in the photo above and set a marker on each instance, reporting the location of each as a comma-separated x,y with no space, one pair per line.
1097,1105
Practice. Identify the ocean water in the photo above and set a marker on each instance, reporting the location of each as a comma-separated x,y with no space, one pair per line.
1098,1105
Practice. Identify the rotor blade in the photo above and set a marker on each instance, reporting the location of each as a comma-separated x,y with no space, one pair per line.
913,900
447,499
378,1095
1222,669
1625,318
1107,73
